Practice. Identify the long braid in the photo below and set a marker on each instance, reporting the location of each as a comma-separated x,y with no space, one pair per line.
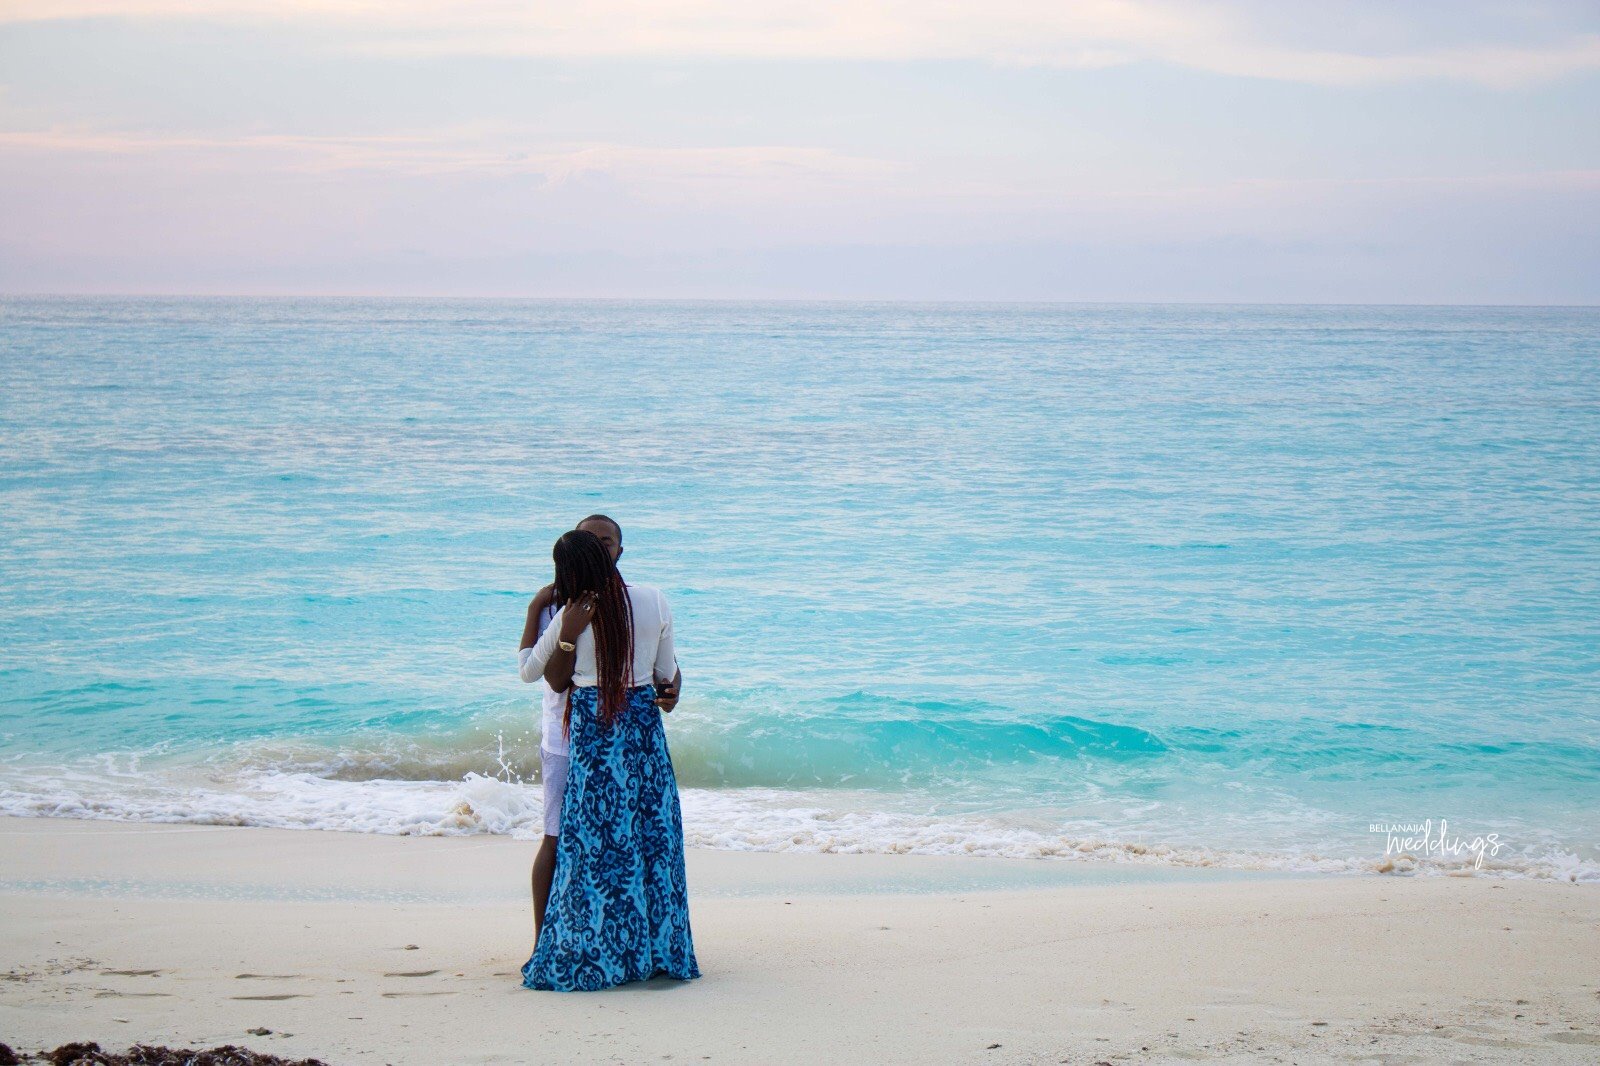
583,565
613,645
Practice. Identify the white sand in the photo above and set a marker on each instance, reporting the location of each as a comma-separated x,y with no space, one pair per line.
193,935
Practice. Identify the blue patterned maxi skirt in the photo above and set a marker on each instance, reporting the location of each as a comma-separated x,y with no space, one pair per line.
619,903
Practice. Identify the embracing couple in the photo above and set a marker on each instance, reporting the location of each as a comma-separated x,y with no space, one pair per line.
610,900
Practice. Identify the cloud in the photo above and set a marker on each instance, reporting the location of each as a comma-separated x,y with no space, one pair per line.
795,185
484,149
454,211
1511,47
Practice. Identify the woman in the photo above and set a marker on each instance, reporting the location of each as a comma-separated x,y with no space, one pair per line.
619,904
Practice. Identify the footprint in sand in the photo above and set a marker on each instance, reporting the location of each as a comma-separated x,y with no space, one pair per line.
271,999
132,995
266,976
130,973
414,973
1572,1038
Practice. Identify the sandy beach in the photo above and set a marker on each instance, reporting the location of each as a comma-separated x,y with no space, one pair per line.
405,950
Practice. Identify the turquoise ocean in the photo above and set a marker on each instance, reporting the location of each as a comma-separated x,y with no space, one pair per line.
1186,586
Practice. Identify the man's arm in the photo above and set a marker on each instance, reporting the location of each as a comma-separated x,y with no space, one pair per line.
530,629
669,692
666,658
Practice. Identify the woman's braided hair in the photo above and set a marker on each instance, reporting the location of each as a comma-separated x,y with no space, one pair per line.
584,565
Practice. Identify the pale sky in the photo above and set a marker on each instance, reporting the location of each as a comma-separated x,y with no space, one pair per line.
1208,150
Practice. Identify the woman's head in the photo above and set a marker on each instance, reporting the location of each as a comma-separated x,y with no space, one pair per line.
584,565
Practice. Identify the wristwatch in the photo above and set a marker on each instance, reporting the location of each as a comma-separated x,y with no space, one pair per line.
566,645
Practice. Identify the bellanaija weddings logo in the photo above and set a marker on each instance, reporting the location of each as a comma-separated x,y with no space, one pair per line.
1421,839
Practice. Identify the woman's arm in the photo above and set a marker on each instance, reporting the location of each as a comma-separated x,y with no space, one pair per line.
565,628
531,661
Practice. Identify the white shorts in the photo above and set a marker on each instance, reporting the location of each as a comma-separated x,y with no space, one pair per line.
553,769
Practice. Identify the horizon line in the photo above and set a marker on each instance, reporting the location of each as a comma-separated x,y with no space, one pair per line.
888,301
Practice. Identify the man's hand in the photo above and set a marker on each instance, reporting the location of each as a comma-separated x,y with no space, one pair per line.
530,628
667,694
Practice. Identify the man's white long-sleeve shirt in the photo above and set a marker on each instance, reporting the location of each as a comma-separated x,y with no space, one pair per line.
654,656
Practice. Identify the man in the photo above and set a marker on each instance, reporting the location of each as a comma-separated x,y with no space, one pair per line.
553,756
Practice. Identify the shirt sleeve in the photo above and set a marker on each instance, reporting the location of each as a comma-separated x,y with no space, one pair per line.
531,661
666,655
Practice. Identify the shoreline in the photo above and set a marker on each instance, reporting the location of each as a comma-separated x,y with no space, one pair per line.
479,807
807,958
343,866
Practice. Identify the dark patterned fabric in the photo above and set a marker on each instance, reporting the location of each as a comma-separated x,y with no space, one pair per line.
619,904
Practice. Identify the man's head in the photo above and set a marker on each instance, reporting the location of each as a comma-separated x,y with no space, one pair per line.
607,530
